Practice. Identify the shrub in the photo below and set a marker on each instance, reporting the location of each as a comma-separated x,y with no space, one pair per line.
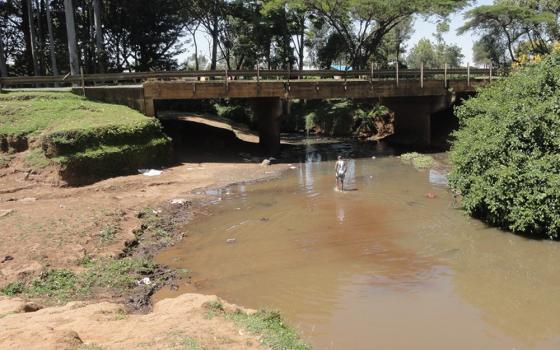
506,153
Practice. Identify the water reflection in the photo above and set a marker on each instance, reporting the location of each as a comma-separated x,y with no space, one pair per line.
381,267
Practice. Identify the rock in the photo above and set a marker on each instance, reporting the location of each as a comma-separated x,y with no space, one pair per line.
265,162
28,200
293,167
5,212
231,240
431,195
146,281
179,201
373,157
6,259
29,307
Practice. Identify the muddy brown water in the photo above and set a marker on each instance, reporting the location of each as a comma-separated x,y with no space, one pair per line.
380,266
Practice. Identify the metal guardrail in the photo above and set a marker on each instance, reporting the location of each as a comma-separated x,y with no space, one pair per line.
138,77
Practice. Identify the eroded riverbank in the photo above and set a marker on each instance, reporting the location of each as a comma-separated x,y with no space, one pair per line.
48,228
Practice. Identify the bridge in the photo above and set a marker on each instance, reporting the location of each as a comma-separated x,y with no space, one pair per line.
413,95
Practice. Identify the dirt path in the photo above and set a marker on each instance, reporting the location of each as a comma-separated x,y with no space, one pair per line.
48,227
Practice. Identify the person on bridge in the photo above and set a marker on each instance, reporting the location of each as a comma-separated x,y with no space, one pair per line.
340,171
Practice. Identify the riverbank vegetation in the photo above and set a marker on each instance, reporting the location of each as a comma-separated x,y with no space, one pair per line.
506,154
85,140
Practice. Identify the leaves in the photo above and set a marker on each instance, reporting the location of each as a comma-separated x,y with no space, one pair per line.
506,154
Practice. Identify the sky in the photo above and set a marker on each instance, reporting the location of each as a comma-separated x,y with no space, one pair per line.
423,28
426,28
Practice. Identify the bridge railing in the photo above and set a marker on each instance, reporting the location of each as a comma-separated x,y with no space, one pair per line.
139,77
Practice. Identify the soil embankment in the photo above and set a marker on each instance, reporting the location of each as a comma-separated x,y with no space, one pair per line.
92,246
52,228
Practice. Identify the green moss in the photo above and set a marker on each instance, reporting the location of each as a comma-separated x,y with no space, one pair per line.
419,161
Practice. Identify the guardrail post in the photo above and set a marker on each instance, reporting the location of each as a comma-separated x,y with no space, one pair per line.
397,72
468,74
422,75
445,75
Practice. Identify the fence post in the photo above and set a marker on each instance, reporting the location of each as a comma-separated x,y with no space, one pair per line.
397,74
490,76
83,81
422,75
468,74
445,75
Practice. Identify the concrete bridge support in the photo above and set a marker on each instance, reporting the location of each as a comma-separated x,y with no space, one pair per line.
269,112
413,117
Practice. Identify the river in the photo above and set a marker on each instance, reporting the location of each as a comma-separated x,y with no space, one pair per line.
383,265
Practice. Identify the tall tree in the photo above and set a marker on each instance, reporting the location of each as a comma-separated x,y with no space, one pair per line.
98,35
54,66
3,65
361,24
211,13
33,37
71,37
512,23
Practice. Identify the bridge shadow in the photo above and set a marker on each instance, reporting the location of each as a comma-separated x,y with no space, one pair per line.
197,142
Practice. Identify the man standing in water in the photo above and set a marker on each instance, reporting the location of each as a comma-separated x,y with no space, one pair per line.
340,172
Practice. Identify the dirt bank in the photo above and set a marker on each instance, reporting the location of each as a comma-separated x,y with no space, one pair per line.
45,227
185,322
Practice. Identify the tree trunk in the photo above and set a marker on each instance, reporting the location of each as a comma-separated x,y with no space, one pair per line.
33,37
54,66
301,42
98,36
40,38
214,49
26,38
71,34
3,66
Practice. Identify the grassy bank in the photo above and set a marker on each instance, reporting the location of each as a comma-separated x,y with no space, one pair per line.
86,140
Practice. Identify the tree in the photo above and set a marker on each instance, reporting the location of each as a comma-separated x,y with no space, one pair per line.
3,66
98,35
422,53
510,22
33,38
71,37
54,66
362,24
210,14
506,153
435,55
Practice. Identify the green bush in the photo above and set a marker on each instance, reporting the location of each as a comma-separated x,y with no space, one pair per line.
506,153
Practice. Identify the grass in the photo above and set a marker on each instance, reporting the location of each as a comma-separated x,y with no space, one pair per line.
33,113
36,159
63,285
88,140
108,234
418,160
180,341
268,325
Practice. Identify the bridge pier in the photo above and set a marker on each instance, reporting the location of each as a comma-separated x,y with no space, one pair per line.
269,112
413,117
